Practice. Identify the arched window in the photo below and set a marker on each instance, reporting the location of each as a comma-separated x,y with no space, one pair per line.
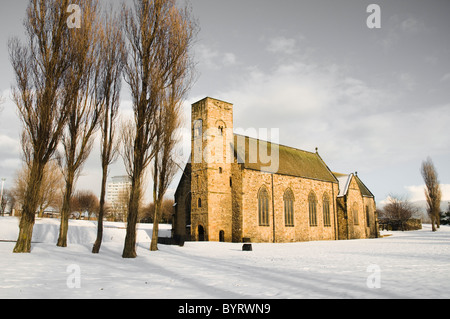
188,209
199,203
220,127
288,208
312,203
355,214
367,216
263,207
198,127
197,155
326,211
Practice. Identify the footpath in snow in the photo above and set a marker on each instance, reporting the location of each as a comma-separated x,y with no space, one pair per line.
403,265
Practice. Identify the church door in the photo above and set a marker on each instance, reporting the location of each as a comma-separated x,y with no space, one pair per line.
201,233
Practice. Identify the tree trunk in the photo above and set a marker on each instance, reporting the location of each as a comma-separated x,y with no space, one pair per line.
23,244
41,212
157,217
438,219
154,243
98,241
129,249
65,212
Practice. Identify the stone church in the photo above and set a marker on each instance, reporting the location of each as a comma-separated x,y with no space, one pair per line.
231,189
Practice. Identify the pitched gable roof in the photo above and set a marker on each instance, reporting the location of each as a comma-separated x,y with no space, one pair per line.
365,192
290,161
344,183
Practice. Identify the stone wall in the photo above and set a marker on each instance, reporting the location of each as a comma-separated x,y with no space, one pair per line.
181,227
211,172
364,207
372,229
355,206
237,195
277,230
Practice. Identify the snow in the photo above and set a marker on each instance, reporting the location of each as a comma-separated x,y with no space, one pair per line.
412,264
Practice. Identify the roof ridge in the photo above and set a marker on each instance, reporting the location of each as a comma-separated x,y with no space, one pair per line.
290,147
361,184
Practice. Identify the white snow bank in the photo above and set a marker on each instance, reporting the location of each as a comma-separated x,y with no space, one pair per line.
80,231
405,265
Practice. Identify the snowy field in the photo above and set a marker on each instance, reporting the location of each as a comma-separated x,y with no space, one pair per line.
404,265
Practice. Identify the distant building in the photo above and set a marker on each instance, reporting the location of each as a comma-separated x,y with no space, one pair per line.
117,196
118,187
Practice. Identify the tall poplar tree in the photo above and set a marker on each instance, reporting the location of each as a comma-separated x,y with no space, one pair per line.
433,192
112,56
84,108
153,54
42,67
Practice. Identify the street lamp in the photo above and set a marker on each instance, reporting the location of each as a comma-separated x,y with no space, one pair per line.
1,196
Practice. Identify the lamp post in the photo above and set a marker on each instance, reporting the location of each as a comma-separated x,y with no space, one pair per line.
1,196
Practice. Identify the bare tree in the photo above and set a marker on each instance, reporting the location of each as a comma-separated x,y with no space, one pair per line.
42,69
166,215
141,27
112,56
399,210
168,123
51,192
84,109
6,200
432,192
85,201
150,28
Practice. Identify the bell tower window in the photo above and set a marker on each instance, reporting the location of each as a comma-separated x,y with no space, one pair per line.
198,127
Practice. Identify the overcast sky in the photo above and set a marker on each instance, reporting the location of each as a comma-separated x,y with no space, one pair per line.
375,101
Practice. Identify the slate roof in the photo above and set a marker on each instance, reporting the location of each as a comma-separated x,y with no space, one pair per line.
290,161
365,192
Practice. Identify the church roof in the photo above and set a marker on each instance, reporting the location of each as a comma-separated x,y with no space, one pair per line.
365,192
290,161
344,182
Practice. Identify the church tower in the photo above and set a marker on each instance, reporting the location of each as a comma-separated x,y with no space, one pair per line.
211,161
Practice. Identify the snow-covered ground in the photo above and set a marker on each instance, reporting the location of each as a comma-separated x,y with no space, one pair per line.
404,265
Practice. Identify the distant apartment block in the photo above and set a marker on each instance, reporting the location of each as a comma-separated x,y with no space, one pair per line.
118,188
